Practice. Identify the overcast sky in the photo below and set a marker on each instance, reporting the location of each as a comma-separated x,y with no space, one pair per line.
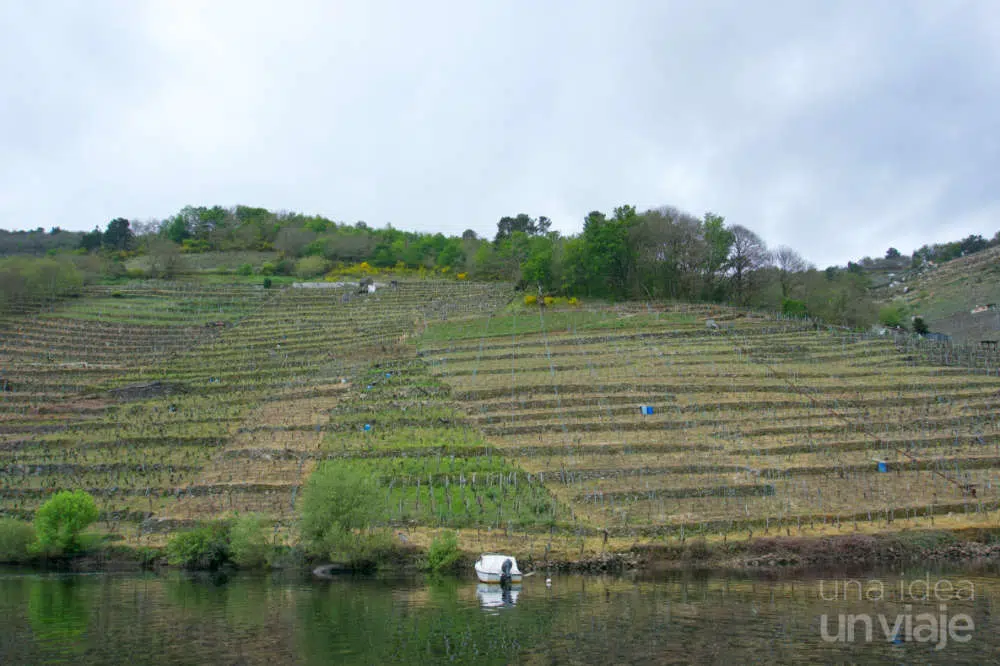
839,128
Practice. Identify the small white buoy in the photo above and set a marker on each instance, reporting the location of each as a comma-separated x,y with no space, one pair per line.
548,582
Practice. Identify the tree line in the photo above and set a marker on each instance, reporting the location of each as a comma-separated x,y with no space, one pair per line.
661,253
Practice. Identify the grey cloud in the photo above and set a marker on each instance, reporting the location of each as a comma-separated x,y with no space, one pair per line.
837,128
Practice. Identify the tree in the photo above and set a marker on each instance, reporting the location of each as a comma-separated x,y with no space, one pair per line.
788,262
748,254
165,259
920,326
118,235
892,316
892,253
718,242
92,240
607,258
59,522
176,229
669,252
337,500
972,244
200,548
469,234
524,223
293,240
248,546
16,540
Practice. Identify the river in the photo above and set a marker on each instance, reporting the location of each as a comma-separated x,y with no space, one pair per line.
176,618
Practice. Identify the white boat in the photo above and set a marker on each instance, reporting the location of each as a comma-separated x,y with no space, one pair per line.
490,568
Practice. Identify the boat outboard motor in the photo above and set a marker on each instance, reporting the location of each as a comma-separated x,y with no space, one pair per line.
505,573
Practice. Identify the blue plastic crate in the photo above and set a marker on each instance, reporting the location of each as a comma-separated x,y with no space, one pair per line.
883,467
646,410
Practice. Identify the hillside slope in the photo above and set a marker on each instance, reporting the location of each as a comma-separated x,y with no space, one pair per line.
519,426
247,379
945,295
755,426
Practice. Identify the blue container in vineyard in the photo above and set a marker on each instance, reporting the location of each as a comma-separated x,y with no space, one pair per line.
368,426
646,410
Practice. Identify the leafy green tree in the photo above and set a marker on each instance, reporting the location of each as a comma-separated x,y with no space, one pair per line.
248,545
201,548
893,316
719,242
16,540
176,229
451,254
794,308
892,253
336,502
536,268
607,255
523,223
92,240
60,521
118,235
920,326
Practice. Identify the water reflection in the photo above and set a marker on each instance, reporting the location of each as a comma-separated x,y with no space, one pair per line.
493,596
178,619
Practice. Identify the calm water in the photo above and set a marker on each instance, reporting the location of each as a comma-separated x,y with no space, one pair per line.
178,619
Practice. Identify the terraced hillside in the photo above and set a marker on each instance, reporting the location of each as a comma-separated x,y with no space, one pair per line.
758,424
177,402
946,295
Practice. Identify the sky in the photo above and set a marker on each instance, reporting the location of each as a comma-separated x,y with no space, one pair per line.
837,128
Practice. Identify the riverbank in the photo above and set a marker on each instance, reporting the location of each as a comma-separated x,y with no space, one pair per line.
761,553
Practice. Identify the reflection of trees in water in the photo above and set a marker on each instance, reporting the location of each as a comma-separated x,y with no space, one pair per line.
258,620
440,622
59,612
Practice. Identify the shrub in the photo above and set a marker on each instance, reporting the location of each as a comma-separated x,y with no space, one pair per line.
444,554
61,519
267,283
285,267
549,300
135,273
267,268
462,276
530,299
697,549
244,269
920,326
117,294
573,301
892,315
794,308
16,539
248,546
310,267
202,548
336,502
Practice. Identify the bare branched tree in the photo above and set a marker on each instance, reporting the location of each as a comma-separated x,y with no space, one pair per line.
788,262
747,255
